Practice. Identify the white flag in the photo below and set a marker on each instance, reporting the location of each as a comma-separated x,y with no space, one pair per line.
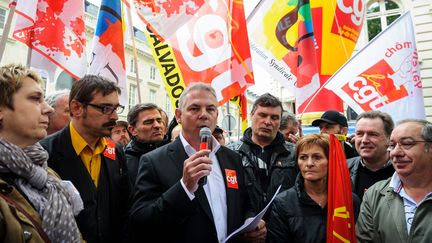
55,31
384,75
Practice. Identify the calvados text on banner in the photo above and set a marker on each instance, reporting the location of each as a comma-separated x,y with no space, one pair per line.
168,67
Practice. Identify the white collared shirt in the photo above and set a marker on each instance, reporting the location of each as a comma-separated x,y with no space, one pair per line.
214,189
410,205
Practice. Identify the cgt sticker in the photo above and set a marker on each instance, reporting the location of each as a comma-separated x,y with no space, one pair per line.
110,149
231,178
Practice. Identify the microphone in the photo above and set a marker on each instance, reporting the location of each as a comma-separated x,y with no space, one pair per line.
205,138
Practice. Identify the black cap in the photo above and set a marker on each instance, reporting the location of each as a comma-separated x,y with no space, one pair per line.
331,117
218,129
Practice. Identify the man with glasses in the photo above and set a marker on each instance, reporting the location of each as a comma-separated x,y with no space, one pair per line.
82,154
372,135
399,209
147,128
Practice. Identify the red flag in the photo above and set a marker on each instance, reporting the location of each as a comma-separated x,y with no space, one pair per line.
340,212
54,29
212,47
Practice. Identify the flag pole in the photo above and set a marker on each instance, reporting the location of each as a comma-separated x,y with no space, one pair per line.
6,29
134,49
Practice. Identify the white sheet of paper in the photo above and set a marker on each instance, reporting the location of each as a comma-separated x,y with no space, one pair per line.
251,223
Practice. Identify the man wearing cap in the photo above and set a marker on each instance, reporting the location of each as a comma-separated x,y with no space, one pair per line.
120,134
218,133
333,122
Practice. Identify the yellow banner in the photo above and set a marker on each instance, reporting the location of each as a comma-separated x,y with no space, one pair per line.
168,67
339,23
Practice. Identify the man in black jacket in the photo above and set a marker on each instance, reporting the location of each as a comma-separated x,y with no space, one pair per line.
82,154
170,205
147,128
373,130
268,160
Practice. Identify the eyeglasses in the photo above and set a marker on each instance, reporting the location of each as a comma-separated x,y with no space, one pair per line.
404,144
108,109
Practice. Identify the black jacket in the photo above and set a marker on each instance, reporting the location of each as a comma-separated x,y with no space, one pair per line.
104,216
296,218
133,150
162,211
353,166
282,169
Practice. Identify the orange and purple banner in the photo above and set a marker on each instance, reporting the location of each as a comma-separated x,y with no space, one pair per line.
340,210
302,43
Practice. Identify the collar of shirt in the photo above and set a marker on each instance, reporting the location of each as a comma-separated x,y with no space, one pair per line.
397,186
79,144
410,206
190,150
389,162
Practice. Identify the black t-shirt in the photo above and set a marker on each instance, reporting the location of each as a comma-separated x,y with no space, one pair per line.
366,178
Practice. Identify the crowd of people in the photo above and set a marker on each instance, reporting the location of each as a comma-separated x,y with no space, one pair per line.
71,171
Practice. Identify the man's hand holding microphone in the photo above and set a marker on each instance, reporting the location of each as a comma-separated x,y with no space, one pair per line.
198,166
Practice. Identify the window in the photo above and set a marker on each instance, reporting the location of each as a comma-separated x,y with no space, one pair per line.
132,66
168,105
91,8
152,96
2,17
380,14
132,95
140,35
64,81
152,73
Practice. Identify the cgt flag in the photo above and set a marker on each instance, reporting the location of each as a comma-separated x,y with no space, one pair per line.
212,47
36,23
165,17
389,80
107,58
340,212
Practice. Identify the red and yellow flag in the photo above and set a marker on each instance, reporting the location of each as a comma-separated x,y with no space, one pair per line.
340,212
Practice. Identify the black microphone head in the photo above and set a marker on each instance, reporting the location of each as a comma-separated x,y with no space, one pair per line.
205,131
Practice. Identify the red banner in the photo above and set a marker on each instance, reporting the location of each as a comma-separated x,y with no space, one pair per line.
340,212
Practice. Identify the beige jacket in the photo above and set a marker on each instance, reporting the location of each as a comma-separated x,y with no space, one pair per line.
14,225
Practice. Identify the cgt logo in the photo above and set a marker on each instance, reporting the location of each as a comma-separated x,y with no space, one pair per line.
110,150
375,87
231,178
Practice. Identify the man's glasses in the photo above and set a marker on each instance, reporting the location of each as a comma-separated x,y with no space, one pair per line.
108,109
404,144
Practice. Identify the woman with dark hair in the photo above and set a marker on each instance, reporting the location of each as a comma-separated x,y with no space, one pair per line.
299,214
35,205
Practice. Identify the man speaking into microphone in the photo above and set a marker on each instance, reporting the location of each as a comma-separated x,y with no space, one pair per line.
170,203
